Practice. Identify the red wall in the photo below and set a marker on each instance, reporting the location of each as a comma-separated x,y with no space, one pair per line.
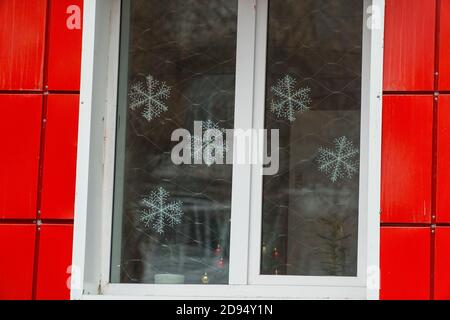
39,92
40,55
415,233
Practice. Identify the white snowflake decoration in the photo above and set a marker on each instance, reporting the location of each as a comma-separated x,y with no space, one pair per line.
150,95
199,145
158,213
287,100
340,162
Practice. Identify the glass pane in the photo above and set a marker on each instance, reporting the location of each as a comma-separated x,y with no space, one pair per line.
172,222
313,97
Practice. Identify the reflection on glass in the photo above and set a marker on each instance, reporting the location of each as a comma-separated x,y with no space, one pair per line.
172,222
310,208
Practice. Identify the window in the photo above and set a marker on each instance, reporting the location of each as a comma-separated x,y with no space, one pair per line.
181,69
166,207
313,98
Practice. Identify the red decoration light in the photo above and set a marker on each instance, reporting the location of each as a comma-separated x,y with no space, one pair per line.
221,263
218,250
275,253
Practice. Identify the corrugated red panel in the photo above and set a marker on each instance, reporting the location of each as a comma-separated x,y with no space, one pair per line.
22,37
442,264
60,156
443,161
55,256
405,263
409,50
64,54
16,261
20,129
444,46
407,159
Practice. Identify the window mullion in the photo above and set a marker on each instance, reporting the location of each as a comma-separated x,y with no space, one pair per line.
240,212
258,124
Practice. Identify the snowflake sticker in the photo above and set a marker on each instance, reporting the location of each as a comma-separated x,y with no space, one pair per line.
207,148
158,213
287,100
151,96
340,162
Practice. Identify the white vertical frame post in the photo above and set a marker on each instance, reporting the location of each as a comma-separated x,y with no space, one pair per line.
262,16
372,95
98,104
109,140
83,155
241,186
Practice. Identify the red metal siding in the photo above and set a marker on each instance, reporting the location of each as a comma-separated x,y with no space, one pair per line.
443,161
405,263
442,264
16,261
22,38
19,163
409,45
60,155
37,166
407,159
55,258
413,153
64,53
444,45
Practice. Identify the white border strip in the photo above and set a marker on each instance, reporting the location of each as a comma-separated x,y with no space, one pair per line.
240,199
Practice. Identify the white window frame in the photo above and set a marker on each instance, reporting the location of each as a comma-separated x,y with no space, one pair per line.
96,158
